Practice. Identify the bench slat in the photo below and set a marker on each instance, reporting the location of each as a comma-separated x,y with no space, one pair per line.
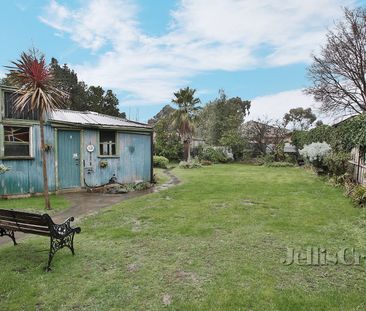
25,229
19,226
35,232
33,221
17,214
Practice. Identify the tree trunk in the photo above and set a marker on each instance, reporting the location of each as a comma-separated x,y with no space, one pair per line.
44,165
189,151
186,150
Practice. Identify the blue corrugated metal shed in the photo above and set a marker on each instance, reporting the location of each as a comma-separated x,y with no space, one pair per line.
85,148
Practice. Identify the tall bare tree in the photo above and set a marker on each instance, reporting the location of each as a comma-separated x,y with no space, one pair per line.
263,133
37,91
338,73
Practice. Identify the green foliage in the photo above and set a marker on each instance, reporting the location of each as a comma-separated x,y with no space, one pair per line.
279,164
234,140
167,141
292,158
267,158
337,163
212,154
190,164
160,161
342,180
184,118
36,204
299,118
345,136
278,152
358,195
82,97
220,123
322,133
142,186
351,133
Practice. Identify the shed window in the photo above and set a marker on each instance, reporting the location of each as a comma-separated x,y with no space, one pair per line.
107,141
17,141
11,113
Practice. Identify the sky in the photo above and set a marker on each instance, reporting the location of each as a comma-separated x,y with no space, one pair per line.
144,50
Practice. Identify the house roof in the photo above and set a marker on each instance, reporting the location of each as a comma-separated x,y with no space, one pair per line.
93,119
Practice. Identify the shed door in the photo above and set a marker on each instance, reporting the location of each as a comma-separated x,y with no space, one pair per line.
68,153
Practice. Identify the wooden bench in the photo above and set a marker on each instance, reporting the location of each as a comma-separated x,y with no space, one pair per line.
61,235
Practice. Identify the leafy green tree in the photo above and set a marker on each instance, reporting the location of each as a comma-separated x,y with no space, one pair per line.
110,104
184,118
82,97
221,121
67,80
235,141
167,141
299,118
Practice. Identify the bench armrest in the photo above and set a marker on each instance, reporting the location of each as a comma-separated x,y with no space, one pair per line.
64,229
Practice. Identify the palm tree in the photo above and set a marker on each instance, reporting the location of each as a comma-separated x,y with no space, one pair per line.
185,117
36,91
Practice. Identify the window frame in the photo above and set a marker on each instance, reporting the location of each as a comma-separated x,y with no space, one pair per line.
30,144
116,145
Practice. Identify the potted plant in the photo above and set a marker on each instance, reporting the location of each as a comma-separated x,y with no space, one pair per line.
103,163
3,169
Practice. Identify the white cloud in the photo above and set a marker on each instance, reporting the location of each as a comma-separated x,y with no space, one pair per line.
274,106
99,23
204,36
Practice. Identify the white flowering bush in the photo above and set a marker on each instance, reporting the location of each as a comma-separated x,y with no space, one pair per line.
3,168
315,153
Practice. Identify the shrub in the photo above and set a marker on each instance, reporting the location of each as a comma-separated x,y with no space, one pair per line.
322,133
279,164
358,195
213,155
191,164
262,160
206,162
142,186
349,186
337,163
160,161
291,158
315,154
342,180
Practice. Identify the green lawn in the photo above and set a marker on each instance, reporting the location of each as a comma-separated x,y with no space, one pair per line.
213,242
35,204
161,177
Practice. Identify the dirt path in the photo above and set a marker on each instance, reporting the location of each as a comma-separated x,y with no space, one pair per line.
84,204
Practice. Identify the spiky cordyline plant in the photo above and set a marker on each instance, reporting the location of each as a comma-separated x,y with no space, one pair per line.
36,91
